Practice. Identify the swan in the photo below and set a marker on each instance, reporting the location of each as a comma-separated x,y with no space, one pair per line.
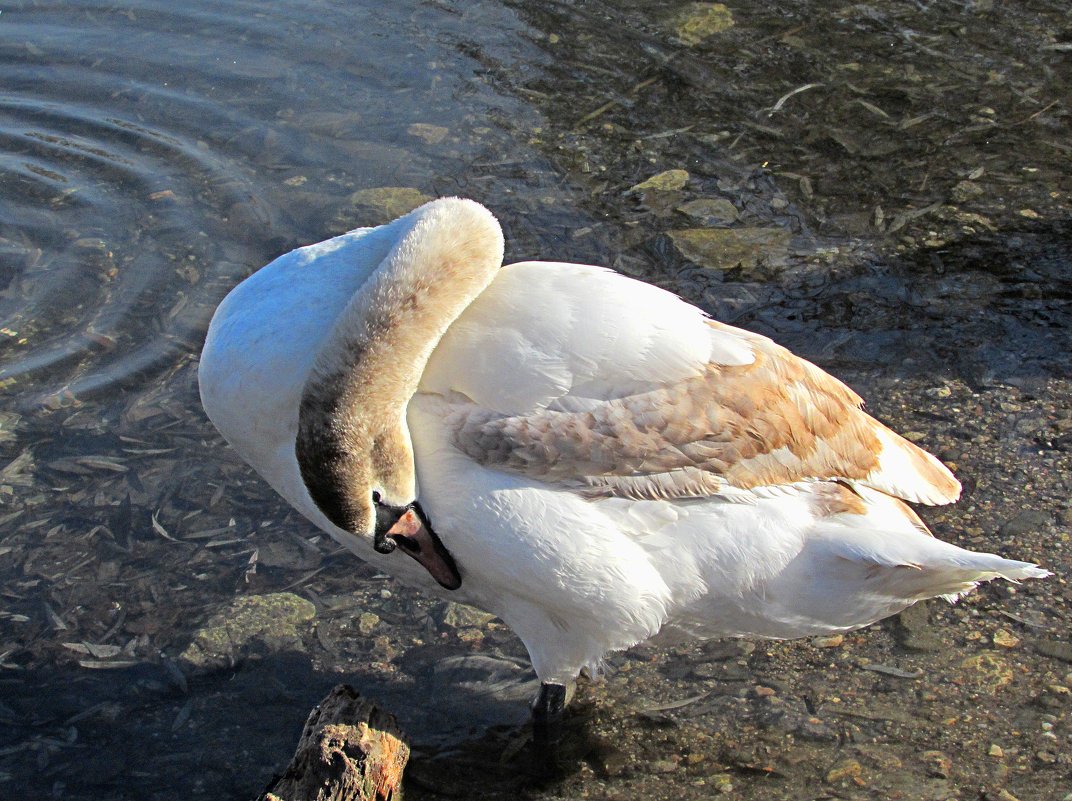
586,456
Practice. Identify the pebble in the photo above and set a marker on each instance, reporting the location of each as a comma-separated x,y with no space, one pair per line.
1005,639
965,191
666,181
938,764
378,205
367,622
710,210
847,769
723,784
729,248
250,625
832,641
470,635
996,751
1027,522
462,616
701,20
1056,649
432,134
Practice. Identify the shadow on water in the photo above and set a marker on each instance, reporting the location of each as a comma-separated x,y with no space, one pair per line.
149,732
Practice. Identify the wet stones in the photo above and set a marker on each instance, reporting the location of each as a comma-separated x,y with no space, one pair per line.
461,616
833,641
666,181
1028,521
987,672
731,248
710,211
913,630
1055,649
846,769
698,21
376,206
431,134
254,625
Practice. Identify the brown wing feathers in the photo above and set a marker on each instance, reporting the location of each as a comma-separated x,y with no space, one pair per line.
776,421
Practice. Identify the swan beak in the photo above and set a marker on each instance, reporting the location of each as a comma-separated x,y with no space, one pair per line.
417,539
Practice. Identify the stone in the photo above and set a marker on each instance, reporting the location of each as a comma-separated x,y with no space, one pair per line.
698,21
1055,649
965,191
729,248
1028,521
989,671
461,616
710,210
723,783
432,134
938,764
667,181
833,641
377,206
367,622
846,769
1003,638
913,629
254,625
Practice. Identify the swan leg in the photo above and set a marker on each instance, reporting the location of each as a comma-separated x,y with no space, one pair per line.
547,711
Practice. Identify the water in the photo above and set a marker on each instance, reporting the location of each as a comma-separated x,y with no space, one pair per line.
152,155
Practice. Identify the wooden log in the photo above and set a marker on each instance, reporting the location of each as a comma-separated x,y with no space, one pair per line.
349,750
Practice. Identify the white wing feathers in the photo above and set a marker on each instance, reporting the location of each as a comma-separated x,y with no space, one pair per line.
583,378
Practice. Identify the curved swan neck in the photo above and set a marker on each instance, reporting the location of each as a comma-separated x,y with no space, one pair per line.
352,436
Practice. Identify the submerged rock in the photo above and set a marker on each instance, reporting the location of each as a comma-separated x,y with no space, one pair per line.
728,248
697,21
255,625
710,210
666,181
432,134
377,206
461,616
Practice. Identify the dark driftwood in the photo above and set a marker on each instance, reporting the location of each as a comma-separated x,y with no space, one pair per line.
349,751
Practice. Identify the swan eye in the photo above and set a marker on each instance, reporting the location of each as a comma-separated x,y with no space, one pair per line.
375,497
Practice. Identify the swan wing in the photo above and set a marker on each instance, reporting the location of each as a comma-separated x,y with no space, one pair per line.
582,378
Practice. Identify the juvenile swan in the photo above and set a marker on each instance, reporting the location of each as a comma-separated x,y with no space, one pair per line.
586,456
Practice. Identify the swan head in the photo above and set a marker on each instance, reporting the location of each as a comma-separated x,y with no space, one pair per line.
362,477
353,446
357,468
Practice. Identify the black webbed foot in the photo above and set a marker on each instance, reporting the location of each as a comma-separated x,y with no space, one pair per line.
547,712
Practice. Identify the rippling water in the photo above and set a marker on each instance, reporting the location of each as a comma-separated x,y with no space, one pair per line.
153,154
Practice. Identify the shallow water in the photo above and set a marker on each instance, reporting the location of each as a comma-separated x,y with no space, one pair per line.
902,170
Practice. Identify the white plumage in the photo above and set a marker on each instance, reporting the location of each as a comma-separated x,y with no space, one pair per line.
601,460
